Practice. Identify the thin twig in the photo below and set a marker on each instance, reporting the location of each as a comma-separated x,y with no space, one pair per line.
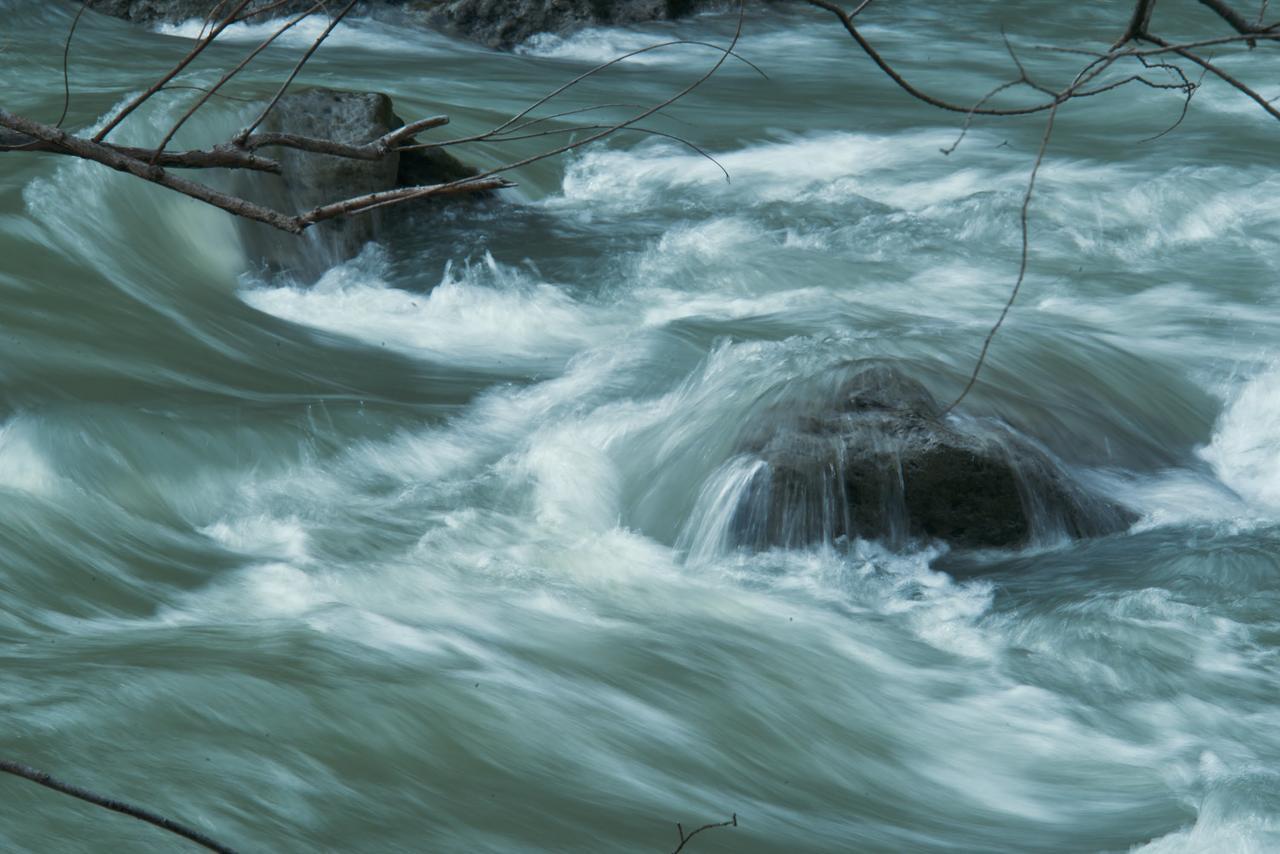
684,839
847,21
1221,75
968,119
580,128
155,87
591,72
34,145
204,99
222,95
315,45
1189,88
1022,263
66,64
726,53
1238,22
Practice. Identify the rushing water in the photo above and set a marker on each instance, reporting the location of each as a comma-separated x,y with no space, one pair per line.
427,556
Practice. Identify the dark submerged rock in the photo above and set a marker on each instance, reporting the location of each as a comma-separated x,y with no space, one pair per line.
882,463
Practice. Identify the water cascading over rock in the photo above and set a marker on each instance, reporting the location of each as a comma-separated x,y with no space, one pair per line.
308,180
883,463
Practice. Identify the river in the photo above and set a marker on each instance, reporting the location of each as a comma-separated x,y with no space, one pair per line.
420,557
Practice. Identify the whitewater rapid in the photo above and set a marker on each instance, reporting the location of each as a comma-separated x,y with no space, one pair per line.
431,553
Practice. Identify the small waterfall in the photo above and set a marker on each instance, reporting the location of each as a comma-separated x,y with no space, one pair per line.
709,531
309,180
880,463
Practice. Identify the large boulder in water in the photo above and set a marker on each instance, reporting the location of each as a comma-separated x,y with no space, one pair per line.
308,180
883,463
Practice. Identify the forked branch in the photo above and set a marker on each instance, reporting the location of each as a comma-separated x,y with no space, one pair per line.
1137,43
19,132
685,837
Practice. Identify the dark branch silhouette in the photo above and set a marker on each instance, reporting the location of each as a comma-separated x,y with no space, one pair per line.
1137,43
243,151
733,822
142,814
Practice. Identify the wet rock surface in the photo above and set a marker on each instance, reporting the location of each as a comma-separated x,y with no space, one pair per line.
883,463
501,24
173,11
504,24
308,179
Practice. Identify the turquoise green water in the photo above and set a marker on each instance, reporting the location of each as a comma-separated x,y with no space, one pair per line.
425,556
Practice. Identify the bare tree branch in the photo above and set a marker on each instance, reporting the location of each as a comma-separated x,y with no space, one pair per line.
66,63
219,157
1220,74
155,87
142,814
151,164
284,87
107,155
1237,21
892,73
639,117
375,150
1022,262
232,73
1138,30
364,204
1188,88
684,838
1138,22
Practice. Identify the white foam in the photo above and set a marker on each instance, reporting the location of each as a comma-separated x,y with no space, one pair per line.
262,536
598,45
706,535
1245,449
352,33
1177,497
22,466
820,167
1235,811
87,210
479,315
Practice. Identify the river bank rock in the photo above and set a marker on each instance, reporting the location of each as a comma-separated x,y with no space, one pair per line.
503,24
308,180
500,24
176,11
883,463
